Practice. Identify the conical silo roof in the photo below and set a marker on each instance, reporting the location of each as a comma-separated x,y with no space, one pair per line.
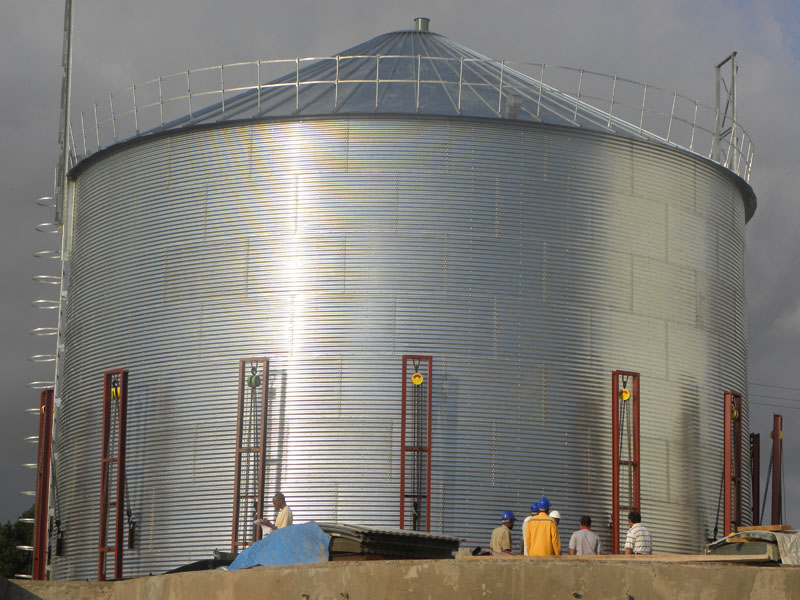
410,72
413,72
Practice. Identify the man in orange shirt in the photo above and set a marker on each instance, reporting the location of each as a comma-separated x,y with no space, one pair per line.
541,533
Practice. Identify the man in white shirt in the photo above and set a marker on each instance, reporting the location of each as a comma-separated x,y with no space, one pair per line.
638,540
284,518
524,543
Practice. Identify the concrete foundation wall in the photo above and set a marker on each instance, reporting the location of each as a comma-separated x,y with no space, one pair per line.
568,578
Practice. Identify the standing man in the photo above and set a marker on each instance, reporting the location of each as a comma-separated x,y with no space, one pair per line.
541,534
638,540
284,518
524,540
585,541
556,516
501,536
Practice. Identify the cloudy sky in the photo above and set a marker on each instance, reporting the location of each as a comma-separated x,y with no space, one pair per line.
670,43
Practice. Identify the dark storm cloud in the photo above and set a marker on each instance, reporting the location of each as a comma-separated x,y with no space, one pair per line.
671,43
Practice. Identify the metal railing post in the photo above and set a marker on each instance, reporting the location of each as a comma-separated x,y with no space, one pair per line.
83,134
258,84
189,93
644,101
72,143
222,85
718,119
748,160
135,113
734,113
578,97
460,81
613,97
419,75
716,142
96,126
500,89
377,78
694,125
113,116
161,100
539,100
336,87
672,114
297,84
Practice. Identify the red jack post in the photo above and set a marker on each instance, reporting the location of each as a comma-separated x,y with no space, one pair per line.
624,423
421,492
732,468
777,457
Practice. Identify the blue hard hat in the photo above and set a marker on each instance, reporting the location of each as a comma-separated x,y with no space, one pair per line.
544,503
508,516
535,507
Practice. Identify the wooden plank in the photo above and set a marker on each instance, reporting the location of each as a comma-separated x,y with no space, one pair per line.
361,557
765,528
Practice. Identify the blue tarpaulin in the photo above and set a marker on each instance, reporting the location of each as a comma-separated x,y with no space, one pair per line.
292,545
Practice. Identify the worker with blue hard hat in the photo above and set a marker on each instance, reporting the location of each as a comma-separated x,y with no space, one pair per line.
541,532
501,536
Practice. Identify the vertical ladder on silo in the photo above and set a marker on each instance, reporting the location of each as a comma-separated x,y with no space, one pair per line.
625,448
112,477
249,475
415,442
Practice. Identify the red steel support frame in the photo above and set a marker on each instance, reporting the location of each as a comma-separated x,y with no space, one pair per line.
755,472
777,458
41,517
732,467
616,461
242,451
112,394
404,448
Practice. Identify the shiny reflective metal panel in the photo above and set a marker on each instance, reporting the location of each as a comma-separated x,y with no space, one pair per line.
529,260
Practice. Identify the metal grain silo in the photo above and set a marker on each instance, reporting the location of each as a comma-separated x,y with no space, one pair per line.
407,196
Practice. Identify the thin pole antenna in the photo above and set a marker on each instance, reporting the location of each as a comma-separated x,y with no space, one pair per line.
62,218
66,100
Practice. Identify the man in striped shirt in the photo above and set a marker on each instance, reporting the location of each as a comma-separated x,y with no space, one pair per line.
638,540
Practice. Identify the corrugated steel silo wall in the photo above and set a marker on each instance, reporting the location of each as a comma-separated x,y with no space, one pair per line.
530,261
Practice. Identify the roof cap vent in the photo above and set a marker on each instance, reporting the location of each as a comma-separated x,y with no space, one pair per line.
421,23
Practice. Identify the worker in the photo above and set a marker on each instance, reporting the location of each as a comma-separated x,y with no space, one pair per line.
638,540
284,518
501,536
585,541
524,541
556,516
541,534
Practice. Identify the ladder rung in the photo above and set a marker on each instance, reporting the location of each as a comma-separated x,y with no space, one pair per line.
416,448
109,549
248,449
112,459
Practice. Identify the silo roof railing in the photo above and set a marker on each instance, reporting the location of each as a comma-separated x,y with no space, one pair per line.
464,84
